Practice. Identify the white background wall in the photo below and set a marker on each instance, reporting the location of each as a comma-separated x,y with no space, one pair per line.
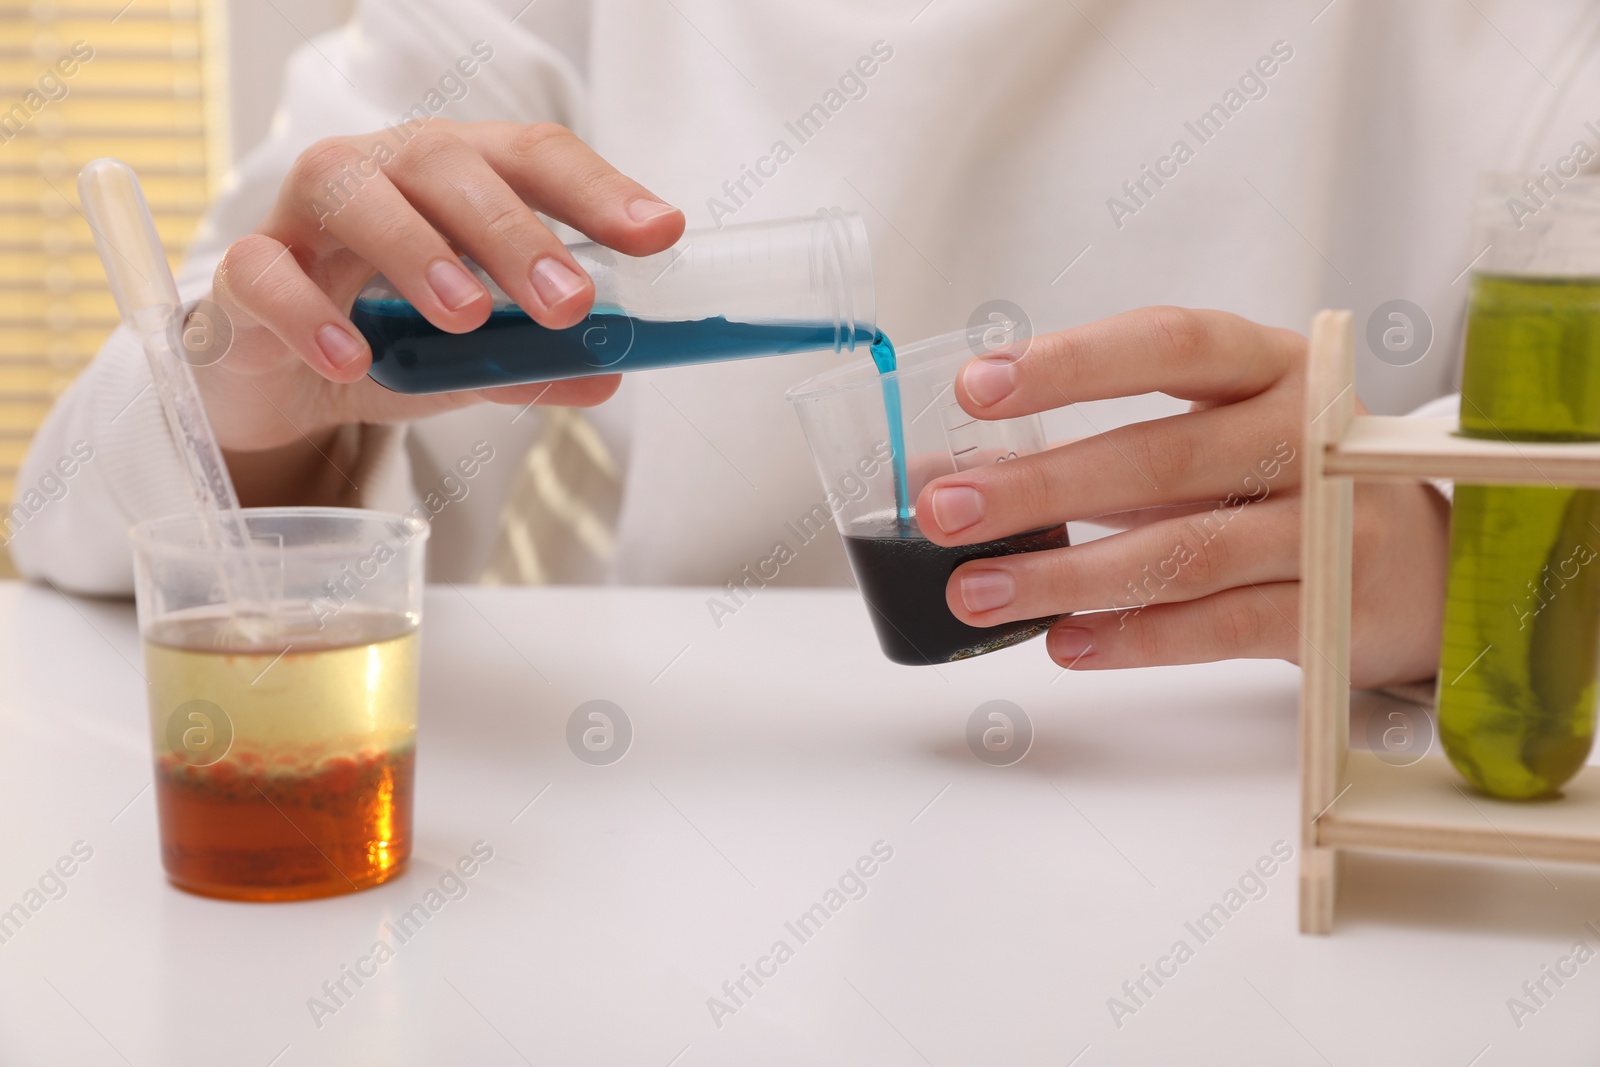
261,34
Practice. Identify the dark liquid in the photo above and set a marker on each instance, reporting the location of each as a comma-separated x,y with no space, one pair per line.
903,580
244,833
411,355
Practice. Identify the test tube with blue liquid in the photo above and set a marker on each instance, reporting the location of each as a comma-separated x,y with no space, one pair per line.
735,292
741,291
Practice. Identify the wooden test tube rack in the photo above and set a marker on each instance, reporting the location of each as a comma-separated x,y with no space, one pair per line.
1353,800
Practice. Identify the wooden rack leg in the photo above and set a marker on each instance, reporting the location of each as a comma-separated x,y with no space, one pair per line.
1324,610
1319,888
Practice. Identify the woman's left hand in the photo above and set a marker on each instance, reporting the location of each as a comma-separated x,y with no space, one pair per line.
1207,565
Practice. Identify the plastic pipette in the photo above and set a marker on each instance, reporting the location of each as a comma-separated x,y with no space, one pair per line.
147,299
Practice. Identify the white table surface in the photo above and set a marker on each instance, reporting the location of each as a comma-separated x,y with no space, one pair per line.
768,756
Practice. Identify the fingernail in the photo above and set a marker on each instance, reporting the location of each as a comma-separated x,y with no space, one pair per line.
956,508
340,348
989,381
451,283
554,281
987,590
1070,644
644,209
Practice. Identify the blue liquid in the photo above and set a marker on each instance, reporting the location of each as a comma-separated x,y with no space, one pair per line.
883,356
411,355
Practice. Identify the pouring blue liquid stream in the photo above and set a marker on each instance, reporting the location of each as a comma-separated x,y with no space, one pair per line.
883,357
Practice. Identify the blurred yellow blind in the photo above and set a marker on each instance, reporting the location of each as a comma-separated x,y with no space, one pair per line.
81,79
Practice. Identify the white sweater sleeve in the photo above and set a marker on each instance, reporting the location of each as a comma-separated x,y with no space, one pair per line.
109,419
71,529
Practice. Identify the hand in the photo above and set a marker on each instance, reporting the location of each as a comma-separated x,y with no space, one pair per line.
297,367
1208,564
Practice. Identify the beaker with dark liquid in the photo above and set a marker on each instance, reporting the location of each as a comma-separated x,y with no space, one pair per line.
880,430
284,737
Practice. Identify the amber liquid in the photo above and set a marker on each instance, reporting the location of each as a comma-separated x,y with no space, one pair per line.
299,784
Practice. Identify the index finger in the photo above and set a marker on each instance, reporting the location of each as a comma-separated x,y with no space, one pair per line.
1210,356
553,171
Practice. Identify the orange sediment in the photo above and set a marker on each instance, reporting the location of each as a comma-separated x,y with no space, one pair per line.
252,828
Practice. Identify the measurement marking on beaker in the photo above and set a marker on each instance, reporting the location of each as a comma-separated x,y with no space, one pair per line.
1473,664
964,451
274,663
963,425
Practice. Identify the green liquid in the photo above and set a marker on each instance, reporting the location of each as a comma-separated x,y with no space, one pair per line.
1522,616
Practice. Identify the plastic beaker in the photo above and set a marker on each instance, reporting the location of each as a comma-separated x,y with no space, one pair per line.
284,743
751,289
902,575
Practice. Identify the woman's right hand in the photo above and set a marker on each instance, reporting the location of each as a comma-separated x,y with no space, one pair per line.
352,207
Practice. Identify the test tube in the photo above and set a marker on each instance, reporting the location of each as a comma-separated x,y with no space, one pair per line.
1521,649
750,289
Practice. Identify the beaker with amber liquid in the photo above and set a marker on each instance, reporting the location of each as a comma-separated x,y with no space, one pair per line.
283,730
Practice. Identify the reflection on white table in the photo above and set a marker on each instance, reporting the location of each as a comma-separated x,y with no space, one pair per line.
784,785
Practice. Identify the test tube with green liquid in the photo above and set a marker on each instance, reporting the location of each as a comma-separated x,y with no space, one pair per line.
1521,650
